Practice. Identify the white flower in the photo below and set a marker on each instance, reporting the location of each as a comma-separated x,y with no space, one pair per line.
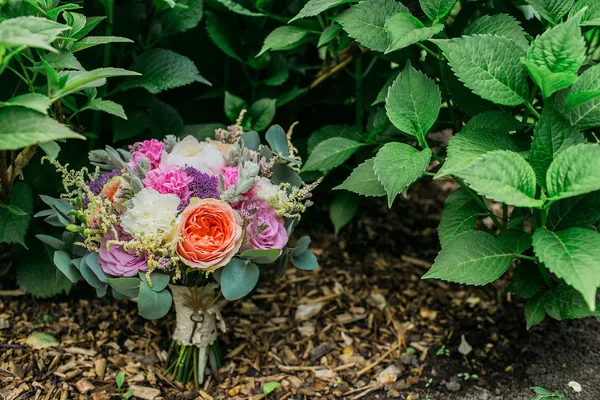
203,156
266,190
152,213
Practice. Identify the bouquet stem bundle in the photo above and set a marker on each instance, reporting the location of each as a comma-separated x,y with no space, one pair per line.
194,340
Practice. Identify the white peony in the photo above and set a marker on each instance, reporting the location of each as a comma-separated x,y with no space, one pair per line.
203,156
152,213
266,190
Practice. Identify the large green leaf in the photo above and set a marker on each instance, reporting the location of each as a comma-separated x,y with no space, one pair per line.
30,32
403,30
591,16
33,101
316,7
37,275
343,208
482,134
79,80
151,304
552,10
490,66
572,255
21,127
579,211
475,258
91,41
459,215
555,57
583,114
162,70
363,181
182,19
331,153
330,131
436,9
262,113
500,25
107,106
13,227
526,280
503,176
365,22
284,38
239,9
515,239
238,278
552,134
223,37
413,103
398,165
574,171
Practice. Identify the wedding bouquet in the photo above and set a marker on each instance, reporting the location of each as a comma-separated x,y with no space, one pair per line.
181,221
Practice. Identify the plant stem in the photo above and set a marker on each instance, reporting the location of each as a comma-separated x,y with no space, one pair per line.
545,275
359,109
533,110
429,51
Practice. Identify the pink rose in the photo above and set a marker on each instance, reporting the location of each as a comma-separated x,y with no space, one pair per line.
265,230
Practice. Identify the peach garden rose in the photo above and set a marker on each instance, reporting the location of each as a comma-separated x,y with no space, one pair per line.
210,234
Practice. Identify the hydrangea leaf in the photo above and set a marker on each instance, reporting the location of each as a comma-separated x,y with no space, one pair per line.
403,30
551,10
436,9
413,103
515,239
224,38
474,258
329,131
23,127
365,22
579,211
459,215
583,114
37,275
107,106
363,181
33,101
262,113
91,41
570,174
182,19
163,69
552,134
490,66
316,7
239,9
591,16
572,255
503,176
331,153
484,133
555,56
328,34
526,280
500,25
13,227
343,208
31,32
284,38
398,165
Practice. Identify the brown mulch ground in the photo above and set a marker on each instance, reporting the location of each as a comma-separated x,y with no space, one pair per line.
362,326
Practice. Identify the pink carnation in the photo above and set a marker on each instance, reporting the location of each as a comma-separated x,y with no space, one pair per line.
230,176
265,230
151,149
169,179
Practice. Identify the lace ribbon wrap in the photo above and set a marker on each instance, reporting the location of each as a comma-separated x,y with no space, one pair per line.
198,321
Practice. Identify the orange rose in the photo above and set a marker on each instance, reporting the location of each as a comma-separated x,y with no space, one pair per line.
211,233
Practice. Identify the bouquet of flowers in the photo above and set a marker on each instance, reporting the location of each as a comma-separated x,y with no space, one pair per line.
182,221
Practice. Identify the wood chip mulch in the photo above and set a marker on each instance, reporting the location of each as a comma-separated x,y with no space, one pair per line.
362,326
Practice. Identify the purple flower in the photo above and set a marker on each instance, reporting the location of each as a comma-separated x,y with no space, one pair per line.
97,184
265,230
116,260
202,186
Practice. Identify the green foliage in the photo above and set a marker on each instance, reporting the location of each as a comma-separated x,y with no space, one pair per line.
343,208
403,30
459,215
238,278
499,25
